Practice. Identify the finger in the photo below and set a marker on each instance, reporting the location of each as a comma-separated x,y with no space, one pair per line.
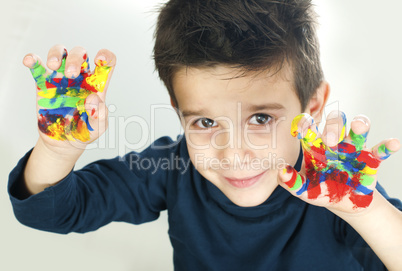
105,62
96,115
56,58
38,71
76,61
335,128
387,147
359,129
291,180
305,129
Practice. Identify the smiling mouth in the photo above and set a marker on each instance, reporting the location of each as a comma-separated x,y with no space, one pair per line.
244,182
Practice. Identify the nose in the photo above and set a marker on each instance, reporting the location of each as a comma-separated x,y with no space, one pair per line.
230,144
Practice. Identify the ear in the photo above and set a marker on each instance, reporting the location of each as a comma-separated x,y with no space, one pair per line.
316,105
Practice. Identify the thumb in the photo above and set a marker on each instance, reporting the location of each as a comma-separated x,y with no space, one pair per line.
97,115
291,180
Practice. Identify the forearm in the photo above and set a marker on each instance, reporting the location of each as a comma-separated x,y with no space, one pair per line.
47,165
381,227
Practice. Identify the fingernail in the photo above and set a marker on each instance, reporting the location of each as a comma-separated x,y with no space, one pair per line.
102,57
287,172
357,118
53,59
29,61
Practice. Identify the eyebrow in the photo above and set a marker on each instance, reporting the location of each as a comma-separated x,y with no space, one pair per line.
268,106
187,113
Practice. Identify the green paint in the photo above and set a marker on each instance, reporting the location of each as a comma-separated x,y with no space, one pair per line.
37,72
298,183
366,180
62,101
358,140
63,66
383,150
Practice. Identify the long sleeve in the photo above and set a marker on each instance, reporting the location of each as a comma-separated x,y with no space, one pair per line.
130,188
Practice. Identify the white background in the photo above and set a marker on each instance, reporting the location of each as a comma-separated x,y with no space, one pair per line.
360,43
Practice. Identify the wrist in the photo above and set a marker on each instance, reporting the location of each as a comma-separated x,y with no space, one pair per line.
49,164
376,206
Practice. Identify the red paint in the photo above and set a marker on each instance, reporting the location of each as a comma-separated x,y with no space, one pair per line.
344,147
369,159
85,57
85,85
337,191
92,112
361,201
313,191
292,180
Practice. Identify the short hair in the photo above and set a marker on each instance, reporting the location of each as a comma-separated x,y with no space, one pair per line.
254,35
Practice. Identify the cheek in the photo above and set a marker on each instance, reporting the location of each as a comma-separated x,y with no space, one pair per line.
200,157
198,140
287,146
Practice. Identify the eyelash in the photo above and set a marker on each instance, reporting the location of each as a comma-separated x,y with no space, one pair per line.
267,117
200,123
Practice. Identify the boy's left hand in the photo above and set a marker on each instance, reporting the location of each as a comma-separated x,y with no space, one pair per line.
338,171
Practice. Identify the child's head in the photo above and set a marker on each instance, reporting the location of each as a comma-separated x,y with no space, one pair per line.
254,35
239,72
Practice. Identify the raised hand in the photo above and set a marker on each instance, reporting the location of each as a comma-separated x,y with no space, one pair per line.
338,170
70,98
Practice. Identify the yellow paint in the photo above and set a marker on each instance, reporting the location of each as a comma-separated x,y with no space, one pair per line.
317,143
342,136
81,106
71,92
99,78
310,136
84,66
48,93
295,124
81,133
56,130
369,170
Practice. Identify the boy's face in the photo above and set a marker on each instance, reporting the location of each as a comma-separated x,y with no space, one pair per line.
238,128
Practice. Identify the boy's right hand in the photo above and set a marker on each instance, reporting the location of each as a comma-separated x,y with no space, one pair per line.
71,107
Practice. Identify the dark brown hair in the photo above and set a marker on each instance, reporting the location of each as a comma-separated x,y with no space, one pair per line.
254,35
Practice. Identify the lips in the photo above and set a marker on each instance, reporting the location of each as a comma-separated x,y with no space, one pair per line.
244,182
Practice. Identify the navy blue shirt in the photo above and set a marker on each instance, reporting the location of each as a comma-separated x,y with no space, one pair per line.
207,231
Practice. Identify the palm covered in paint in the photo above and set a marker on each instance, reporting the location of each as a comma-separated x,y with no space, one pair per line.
64,113
341,176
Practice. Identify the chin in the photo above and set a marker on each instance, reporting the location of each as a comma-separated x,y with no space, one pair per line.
249,201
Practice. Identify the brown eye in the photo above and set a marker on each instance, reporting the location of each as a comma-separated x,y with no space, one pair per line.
205,123
260,119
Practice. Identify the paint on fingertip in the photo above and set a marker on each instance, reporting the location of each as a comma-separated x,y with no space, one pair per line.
62,115
347,170
99,78
358,140
296,181
383,152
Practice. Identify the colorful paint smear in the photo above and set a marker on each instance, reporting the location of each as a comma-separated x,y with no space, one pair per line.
62,115
346,169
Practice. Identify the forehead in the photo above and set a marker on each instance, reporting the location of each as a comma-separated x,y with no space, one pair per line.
222,86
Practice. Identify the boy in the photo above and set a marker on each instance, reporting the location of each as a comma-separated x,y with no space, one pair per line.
238,72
